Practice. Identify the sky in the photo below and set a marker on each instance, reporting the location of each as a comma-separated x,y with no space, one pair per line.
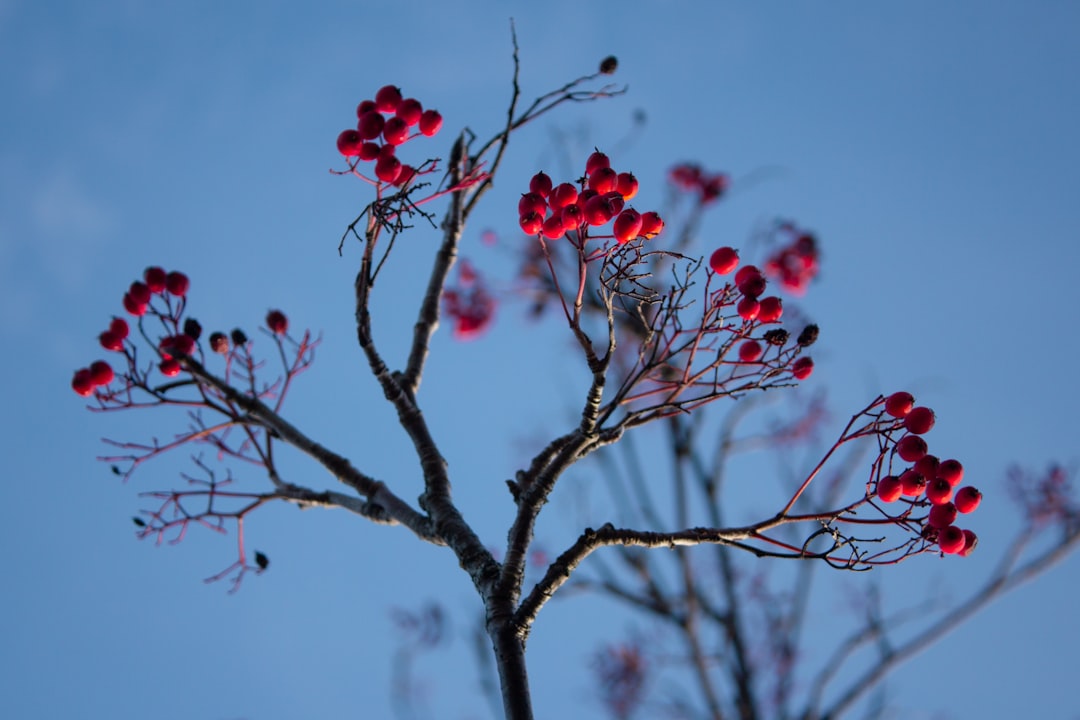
931,147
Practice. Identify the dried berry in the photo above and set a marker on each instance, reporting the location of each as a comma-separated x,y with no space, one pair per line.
779,336
192,328
219,343
808,336
277,322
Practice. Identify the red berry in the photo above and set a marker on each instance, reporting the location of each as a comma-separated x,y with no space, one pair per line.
746,272
651,225
627,185
596,161
553,227
531,223
627,226
598,210
531,202
349,142
967,499
748,308
111,341
169,367
753,287
277,322
541,185
920,420
370,125
82,383
365,106
408,172
119,328
430,122
615,201
177,283
184,344
724,260
952,471
178,344
927,466
899,404
750,351
563,196
387,99
942,515
139,292
772,308
913,483
410,111
802,368
135,308
572,217
970,541
368,151
395,131
604,180
938,491
388,168
951,540
155,279
101,373
889,489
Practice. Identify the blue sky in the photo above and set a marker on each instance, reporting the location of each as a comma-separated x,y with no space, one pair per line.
930,146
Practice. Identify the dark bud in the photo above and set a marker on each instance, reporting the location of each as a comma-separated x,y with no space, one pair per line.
192,328
808,336
115,470
219,343
608,65
238,337
139,522
261,560
776,337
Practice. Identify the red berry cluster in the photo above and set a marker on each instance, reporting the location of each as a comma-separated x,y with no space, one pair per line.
797,263
382,125
171,288
692,178
601,195
469,305
930,477
750,284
